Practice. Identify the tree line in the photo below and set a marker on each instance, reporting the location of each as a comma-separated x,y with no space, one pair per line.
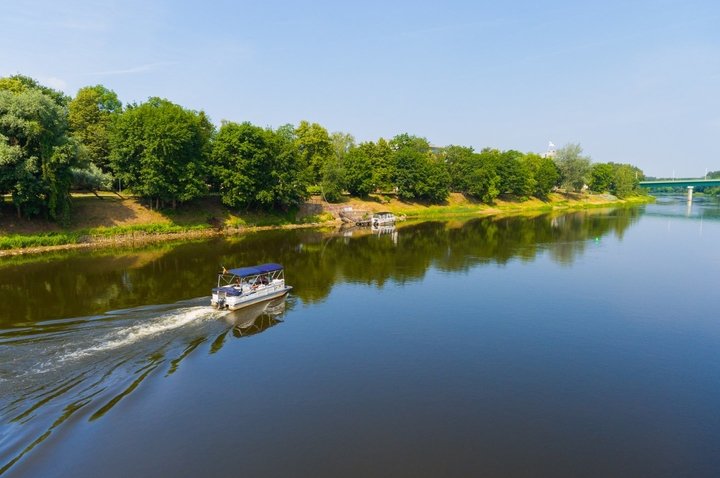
51,144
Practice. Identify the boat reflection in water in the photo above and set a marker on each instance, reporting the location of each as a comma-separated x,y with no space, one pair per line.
256,318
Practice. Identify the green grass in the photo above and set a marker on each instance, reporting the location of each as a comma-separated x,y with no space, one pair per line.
18,241
262,219
142,228
317,218
444,211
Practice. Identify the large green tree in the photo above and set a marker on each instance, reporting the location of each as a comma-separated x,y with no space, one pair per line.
257,167
484,182
342,143
315,148
159,150
573,166
601,177
515,176
90,114
36,153
383,164
460,161
544,172
626,179
359,170
418,173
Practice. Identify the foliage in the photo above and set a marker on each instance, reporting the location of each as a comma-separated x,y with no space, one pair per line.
166,153
19,241
159,150
91,178
90,115
36,153
359,173
314,148
436,185
257,167
460,161
417,173
544,172
484,181
515,176
342,143
621,180
333,180
573,166
601,177
626,179
20,83
713,190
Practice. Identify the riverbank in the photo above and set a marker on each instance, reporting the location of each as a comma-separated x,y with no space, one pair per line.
112,220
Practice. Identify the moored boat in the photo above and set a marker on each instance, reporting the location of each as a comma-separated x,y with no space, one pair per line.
383,219
244,286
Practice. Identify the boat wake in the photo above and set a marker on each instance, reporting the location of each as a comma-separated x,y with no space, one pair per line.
82,367
133,334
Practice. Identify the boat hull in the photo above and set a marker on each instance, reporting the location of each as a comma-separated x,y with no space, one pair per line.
235,303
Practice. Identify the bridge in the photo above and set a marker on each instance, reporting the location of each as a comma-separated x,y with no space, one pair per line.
680,183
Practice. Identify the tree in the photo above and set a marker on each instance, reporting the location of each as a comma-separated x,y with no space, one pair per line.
91,178
460,162
315,149
342,143
90,115
383,164
408,172
484,181
714,190
334,169
435,186
257,167
573,166
359,177
601,177
159,150
418,174
333,180
544,172
625,179
515,176
36,154
21,83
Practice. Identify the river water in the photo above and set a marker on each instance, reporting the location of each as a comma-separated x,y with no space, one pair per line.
584,344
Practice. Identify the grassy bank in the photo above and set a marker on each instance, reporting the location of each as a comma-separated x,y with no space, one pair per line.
110,219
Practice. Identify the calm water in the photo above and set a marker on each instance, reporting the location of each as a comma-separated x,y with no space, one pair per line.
585,344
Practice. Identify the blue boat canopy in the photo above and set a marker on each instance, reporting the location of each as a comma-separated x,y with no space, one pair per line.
255,270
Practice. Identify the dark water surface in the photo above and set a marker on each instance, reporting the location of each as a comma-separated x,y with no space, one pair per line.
585,344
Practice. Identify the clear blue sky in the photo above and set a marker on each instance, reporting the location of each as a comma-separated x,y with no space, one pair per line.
634,82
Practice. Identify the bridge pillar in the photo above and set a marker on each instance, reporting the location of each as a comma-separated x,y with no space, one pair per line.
690,191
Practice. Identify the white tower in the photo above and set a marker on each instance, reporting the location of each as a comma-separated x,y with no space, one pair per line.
550,153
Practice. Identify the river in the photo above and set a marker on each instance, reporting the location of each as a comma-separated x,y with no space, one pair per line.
578,344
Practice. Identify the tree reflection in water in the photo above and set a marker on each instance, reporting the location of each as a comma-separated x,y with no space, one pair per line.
86,283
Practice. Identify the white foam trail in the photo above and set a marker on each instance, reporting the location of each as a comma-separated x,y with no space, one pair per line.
130,335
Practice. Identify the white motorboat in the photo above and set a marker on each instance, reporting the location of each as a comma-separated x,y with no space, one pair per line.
382,219
244,286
